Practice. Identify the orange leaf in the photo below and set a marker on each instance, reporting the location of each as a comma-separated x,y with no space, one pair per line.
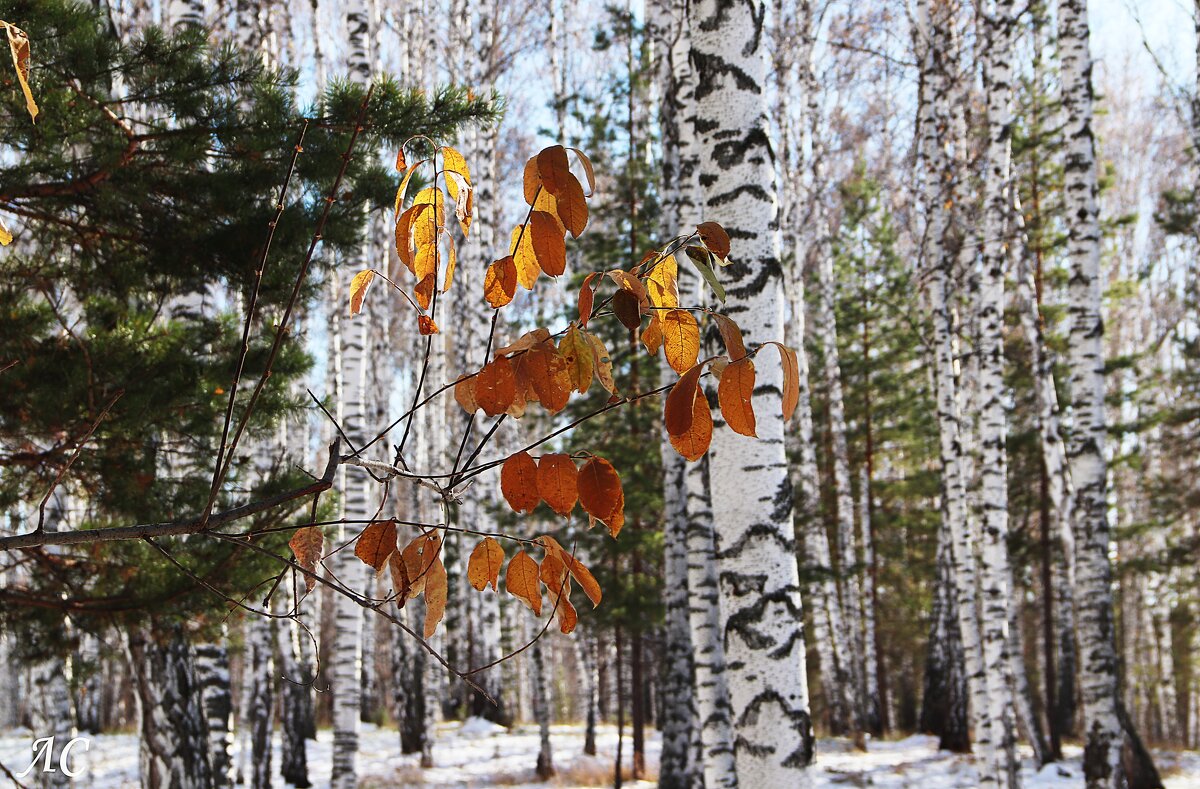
662,285
500,282
557,482
791,379
601,495
580,573
401,162
576,351
587,169
547,204
524,256
554,169
424,291
522,581
418,559
681,339
548,374
548,244
376,543
436,588
586,297
734,393
558,586
358,289
715,238
426,326
307,544
572,205
529,339
652,337
532,182
483,567
693,442
677,414
519,482
731,335
464,393
495,386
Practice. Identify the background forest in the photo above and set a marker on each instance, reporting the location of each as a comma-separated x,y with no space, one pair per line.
961,550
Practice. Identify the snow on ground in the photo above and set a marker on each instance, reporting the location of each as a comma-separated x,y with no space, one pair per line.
480,754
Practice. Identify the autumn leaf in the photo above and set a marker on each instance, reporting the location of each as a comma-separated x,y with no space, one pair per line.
453,162
604,367
404,233
401,583
307,545
586,297
436,588
495,386
531,181
652,336
572,206
557,482
677,414
694,442
426,326
586,580
588,171
6,236
519,482
530,339
576,351
625,307
700,258
376,543
715,238
731,335
404,184
432,196
601,495
522,580
632,284
549,246
558,586
18,46
681,339
553,169
418,559
424,291
401,162
548,374
483,567
464,393
662,285
523,254
451,262
546,203
358,289
500,282
791,379
734,394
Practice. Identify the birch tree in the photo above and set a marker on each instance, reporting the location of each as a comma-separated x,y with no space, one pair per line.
751,492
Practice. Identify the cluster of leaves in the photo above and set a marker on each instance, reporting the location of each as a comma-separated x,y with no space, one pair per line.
547,368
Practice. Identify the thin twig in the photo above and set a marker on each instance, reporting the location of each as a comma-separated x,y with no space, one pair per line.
70,461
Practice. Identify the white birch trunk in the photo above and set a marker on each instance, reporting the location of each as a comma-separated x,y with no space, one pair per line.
1093,574
212,674
751,492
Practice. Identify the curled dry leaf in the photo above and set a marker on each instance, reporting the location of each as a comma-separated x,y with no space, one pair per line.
529,339
694,442
791,380
519,482
558,482
522,580
576,351
307,545
582,576
426,326
401,162
681,340
18,46
677,414
436,589
715,238
358,289
483,567
587,296
410,573
734,393
376,543
495,386
558,587
731,335
588,171
601,495
500,282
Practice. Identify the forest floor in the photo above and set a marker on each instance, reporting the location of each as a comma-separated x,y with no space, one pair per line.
480,754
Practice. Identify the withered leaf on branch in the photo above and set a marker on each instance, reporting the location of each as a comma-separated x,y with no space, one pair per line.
522,580
518,482
580,573
376,543
307,545
483,567
681,339
694,442
734,393
557,481
601,494
677,414
558,587
358,289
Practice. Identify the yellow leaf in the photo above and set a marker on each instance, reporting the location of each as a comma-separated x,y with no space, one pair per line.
681,339
453,162
652,337
451,262
576,351
18,45
6,237
436,589
662,285
524,256
358,289
483,567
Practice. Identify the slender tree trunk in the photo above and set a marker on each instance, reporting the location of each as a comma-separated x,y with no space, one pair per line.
585,657
212,674
944,698
295,704
1099,680
751,493
258,705
713,712
541,710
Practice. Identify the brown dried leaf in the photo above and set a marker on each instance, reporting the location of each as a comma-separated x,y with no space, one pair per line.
735,393
519,482
376,543
601,495
307,545
557,482
677,414
715,238
495,386
483,567
731,335
522,580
